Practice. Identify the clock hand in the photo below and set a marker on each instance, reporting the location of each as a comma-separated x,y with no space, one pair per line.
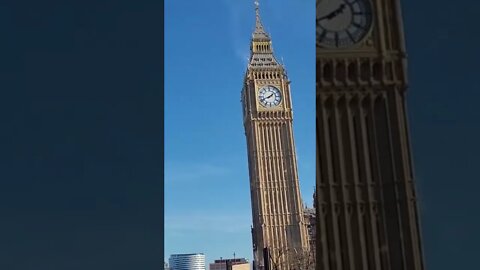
333,14
328,16
270,96
339,10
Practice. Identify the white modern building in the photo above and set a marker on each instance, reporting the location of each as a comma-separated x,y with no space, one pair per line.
194,261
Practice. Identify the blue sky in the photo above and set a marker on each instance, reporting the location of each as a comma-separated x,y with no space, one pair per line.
207,200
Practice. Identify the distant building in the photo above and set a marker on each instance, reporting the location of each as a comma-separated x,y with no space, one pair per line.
230,264
240,266
165,266
194,261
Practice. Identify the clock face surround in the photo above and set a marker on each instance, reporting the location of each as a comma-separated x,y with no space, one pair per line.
342,23
269,96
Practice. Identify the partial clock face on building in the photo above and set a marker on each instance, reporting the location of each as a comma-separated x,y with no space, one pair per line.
269,96
342,23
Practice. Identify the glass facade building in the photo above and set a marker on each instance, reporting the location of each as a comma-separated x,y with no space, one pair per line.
194,261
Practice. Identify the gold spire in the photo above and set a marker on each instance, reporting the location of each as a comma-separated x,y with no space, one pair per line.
261,44
259,31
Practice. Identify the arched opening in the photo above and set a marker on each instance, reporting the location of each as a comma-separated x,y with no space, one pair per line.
352,72
340,72
389,71
365,71
399,70
377,71
328,72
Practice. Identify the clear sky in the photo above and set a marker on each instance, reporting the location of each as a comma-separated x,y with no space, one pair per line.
207,199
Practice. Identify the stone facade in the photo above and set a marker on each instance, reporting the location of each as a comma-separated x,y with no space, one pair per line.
365,193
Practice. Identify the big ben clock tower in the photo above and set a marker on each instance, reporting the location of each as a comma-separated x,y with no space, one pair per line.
366,201
279,232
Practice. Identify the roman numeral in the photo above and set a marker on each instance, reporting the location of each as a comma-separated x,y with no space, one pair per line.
350,36
322,36
358,25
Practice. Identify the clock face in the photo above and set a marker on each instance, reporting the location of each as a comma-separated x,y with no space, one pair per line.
269,96
342,23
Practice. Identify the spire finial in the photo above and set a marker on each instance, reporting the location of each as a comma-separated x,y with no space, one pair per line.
257,14
259,31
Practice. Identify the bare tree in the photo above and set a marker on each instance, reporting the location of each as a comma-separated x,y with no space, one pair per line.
292,259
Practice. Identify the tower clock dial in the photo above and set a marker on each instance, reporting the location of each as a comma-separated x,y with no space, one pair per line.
342,23
269,96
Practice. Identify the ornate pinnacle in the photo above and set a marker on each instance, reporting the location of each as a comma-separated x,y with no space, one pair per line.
259,31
